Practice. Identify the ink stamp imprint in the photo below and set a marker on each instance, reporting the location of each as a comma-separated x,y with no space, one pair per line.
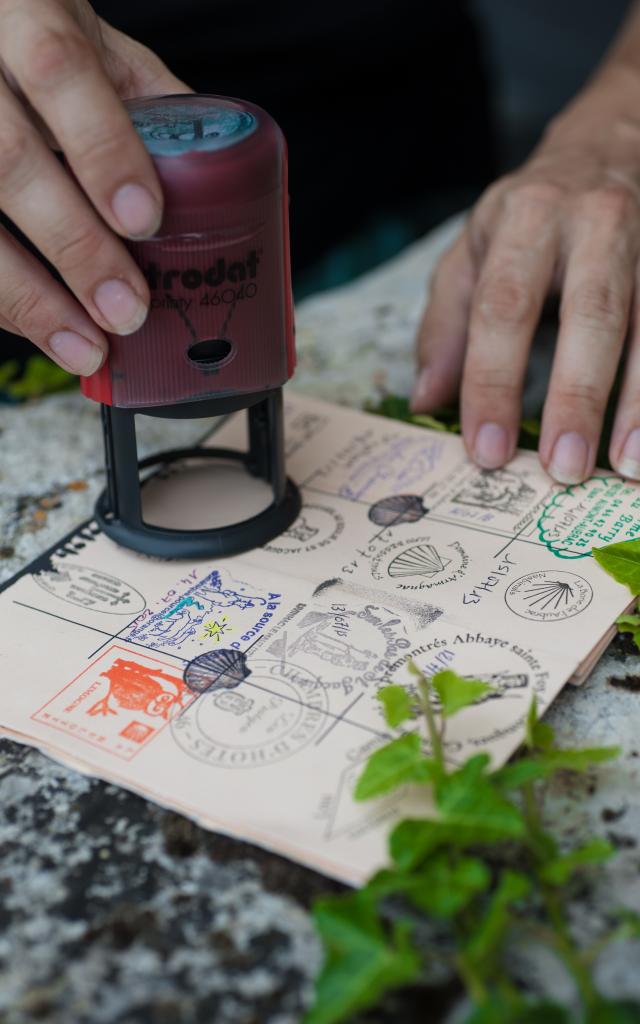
275,713
549,595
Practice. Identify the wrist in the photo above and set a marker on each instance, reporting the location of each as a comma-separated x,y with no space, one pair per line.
608,106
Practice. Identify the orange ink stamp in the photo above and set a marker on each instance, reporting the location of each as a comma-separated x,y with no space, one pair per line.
119,703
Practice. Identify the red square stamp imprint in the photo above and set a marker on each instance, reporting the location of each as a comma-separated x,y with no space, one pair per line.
120,702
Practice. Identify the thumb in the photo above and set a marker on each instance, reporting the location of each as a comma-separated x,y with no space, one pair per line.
442,336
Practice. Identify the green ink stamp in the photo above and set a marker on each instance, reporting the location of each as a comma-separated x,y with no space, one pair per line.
602,510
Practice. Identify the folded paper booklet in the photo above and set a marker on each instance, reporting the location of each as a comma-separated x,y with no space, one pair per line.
242,691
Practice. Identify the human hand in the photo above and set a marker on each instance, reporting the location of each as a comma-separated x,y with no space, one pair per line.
63,75
567,222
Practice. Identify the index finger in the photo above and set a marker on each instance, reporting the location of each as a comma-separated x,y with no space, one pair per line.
59,72
508,300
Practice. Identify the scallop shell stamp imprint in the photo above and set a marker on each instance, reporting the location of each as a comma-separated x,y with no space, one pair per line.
420,563
549,595
397,509
221,670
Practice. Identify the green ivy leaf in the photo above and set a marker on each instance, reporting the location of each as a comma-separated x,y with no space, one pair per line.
543,1013
560,870
468,799
387,882
474,770
519,773
362,961
614,1012
394,407
41,377
488,935
397,408
622,561
473,812
444,887
576,760
415,838
531,427
397,705
497,1011
629,924
8,371
396,764
538,735
456,693
630,624
541,766
630,621
422,420
529,436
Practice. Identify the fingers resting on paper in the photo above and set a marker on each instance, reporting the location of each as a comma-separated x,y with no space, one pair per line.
527,238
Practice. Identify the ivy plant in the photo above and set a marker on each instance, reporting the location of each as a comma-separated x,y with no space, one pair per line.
480,863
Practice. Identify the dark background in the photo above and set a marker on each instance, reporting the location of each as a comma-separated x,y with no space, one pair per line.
385,103
540,53
397,112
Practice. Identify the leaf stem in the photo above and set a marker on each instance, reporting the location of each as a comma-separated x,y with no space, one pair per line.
533,819
592,952
473,982
560,939
435,736
564,947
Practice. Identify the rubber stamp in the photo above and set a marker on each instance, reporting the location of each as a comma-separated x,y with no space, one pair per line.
219,335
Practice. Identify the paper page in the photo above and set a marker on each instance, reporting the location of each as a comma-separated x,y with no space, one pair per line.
242,691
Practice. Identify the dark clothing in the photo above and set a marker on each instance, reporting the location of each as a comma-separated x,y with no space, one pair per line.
381,100
384,103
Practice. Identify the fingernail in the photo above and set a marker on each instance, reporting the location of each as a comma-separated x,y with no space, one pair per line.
492,446
77,353
120,306
136,210
569,459
420,391
629,464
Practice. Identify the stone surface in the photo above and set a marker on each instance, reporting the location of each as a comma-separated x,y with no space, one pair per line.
115,910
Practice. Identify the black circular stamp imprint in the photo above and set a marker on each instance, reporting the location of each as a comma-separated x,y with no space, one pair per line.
550,595
265,720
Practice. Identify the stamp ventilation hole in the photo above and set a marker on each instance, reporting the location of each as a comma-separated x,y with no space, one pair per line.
209,353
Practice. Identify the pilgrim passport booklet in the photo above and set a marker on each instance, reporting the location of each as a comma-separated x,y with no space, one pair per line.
242,691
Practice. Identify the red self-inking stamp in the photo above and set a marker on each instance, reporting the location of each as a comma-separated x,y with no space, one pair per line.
219,335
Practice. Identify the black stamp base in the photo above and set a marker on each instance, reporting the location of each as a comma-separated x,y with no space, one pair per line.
119,507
